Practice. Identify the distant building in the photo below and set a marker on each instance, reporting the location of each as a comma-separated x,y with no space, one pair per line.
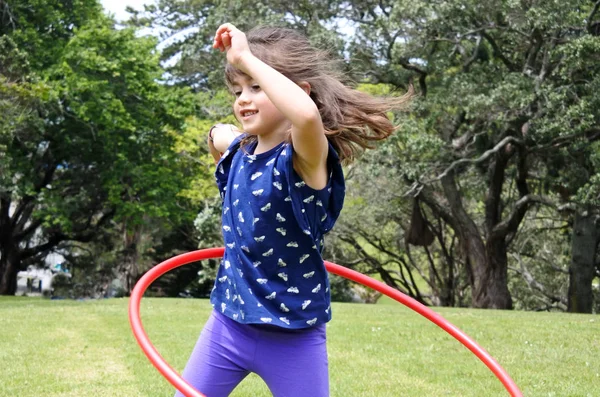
36,282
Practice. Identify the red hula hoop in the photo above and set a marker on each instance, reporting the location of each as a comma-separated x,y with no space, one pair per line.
189,391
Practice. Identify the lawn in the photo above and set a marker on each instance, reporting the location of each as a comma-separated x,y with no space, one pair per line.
85,348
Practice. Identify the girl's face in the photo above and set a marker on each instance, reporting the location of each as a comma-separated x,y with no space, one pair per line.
254,110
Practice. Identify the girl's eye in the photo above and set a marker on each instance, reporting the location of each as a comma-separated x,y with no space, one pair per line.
256,87
237,93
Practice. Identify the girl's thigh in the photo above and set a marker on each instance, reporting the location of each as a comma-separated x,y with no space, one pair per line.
219,360
294,364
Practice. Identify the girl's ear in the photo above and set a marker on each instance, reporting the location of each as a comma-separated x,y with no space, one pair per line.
305,85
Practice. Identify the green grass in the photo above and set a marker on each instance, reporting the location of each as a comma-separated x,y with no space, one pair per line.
72,348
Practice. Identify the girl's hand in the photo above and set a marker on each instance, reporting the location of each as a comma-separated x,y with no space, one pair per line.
231,39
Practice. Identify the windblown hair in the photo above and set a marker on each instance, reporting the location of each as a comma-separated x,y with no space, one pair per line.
352,119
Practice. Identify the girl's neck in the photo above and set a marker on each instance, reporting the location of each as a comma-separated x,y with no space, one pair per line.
266,142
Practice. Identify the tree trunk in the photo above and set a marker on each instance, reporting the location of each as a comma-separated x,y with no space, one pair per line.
130,257
9,267
9,251
491,290
586,235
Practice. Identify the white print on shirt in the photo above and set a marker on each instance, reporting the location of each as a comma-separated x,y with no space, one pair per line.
245,248
226,210
235,186
258,192
227,264
317,288
259,239
255,264
305,304
304,257
231,245
239,230
261,280
226,228
278,185
266,207
292,244
284,320
227,294
308,275
241,217
268,253
309,199
284,308
235,316
281,263
270,162
283,276
223,306
312,322
288,198
271,296
293,290
300,184
275,172
223,279
279,217
319,203
255,175
236,202
281,230
266,319
255,220
323,218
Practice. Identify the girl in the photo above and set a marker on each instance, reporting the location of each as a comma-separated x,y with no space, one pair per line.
282,188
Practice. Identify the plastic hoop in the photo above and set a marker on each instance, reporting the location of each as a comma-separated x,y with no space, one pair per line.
189,391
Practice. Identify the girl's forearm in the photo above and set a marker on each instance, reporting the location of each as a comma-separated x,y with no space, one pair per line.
287,96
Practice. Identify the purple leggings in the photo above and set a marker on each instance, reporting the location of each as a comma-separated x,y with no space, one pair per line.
292,363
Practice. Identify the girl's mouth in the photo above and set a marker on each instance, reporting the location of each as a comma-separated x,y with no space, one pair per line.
246,114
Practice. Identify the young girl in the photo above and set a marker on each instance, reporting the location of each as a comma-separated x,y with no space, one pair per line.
282,188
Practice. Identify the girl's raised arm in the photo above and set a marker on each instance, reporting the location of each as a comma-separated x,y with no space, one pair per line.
292,100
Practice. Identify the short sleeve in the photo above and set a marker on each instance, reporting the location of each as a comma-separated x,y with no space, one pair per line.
224,165
316,210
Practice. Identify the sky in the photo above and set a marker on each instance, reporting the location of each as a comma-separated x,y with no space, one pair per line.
117,7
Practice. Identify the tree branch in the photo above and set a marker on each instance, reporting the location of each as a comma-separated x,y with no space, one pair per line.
485,156
498,52
512,222
590,19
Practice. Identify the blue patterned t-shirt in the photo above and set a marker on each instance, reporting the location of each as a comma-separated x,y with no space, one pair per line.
273,224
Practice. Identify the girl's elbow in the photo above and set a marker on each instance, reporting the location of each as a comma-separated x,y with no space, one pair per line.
310,119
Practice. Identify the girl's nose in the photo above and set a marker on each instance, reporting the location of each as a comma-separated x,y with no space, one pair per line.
243,98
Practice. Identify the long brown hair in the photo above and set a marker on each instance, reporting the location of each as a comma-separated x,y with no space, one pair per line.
352,119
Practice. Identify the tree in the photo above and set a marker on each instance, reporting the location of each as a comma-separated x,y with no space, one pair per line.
96,145
500,91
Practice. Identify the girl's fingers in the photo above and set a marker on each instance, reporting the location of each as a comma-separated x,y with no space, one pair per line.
226,38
